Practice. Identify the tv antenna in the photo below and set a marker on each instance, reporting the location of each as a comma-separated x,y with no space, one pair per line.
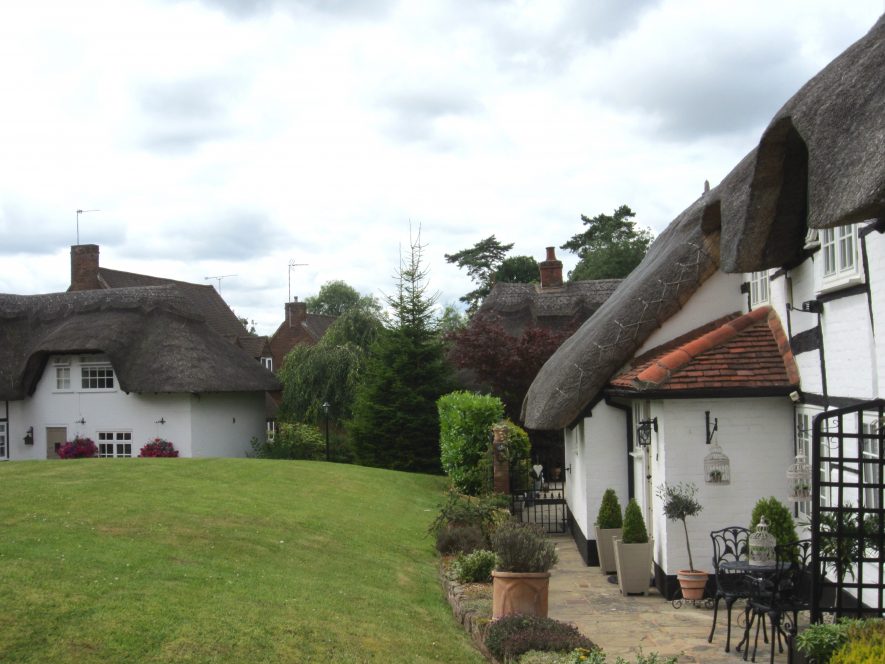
219,278
79,212
292,264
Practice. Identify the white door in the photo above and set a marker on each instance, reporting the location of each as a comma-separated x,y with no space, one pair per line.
642,465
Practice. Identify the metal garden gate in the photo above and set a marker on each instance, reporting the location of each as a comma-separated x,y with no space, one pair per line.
848,542
537,495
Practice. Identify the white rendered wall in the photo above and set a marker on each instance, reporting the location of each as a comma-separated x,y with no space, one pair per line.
719,296
757,436
875,243
599,461
223,423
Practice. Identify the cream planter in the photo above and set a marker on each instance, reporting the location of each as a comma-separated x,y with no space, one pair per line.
524,593
633,563
605,538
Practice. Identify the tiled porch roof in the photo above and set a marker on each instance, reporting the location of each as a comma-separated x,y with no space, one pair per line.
737,351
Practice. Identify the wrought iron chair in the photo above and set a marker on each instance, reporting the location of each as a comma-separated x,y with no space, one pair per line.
730,544
781,597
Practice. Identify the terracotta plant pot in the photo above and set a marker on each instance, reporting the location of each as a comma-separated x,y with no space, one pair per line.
605,538
524,593
692,583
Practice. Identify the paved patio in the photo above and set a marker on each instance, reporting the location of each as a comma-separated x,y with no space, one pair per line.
620,625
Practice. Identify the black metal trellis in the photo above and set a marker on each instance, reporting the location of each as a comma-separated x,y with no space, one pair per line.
848,540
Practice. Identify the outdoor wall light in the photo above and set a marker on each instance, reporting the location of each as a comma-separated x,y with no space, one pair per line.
643,431
29,436
82,420
162,420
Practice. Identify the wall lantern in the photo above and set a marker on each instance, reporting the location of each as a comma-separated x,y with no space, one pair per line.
162,420
717,466
799,480
643,431
82,420
762,545
29,436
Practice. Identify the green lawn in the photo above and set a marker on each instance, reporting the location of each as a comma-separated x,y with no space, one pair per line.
220,560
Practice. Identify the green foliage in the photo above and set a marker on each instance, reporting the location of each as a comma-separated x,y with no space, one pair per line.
484,513
542,657
634,526
611,246
456,538
865,644
518,270
843,552
292,441
523,547
584,656
336,297
395,423
511,636
779,518
450,321
328,372
679,504
465,423
609,515
819,641
482,260
475,567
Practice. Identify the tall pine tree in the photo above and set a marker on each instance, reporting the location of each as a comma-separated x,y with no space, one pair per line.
395,422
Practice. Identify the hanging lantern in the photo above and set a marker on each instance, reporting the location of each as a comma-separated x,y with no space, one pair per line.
799,480
717,467
762,545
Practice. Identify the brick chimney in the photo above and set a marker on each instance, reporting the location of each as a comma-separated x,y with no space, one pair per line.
296,312
84,267
551,270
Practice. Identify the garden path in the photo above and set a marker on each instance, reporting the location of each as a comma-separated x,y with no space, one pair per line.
620,625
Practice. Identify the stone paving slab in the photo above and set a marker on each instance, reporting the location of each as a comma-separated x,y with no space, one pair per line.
621,625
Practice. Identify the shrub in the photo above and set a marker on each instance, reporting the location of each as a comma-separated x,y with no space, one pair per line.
609,515
780,521
483,512
679,504
865,645
511,636
475,567
523,547
541,657
819,641
158,448
79,448
465,423
583,656
292,441
456,538
634,526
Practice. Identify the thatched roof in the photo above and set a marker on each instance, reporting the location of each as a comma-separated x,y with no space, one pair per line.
153,338
828,141
518,306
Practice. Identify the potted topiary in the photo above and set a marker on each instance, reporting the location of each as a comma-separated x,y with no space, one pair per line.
633,553
777,516
679,504
521,579
608,528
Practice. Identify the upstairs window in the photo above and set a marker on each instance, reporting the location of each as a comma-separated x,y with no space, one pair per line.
839,249
97,377
267,362
62,378
758,288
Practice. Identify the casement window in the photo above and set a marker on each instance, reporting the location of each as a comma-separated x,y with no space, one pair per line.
758,288
267,362
839,249
4,442
803,446
62,378
114,444
872,493
97,377
271,430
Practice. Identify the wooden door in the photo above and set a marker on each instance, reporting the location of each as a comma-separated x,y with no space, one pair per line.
55,436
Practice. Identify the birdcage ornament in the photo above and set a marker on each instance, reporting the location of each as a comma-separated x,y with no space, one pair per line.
799,480
762,545
717,467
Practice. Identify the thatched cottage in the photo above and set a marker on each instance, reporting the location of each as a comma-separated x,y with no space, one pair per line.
760,308
123,365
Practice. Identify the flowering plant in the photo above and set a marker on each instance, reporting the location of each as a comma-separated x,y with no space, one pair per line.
158,448
79,448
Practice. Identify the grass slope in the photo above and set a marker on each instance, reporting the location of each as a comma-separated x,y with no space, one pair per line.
220,560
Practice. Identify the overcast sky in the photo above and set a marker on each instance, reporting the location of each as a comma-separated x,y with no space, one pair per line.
230,137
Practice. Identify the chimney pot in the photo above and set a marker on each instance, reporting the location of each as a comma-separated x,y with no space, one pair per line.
551,270
296,312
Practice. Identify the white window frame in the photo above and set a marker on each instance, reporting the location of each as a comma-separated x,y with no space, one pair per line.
870,471
114,444
4,440
63,379
104,372
840,266
804,418
270,430
760,288
267,362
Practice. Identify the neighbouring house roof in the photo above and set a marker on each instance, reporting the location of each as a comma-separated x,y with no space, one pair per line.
820,163
298,327
518,306
733,353
153,336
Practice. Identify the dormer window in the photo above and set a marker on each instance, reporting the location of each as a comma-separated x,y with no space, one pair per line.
97,377
267,362
758,288
838,248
